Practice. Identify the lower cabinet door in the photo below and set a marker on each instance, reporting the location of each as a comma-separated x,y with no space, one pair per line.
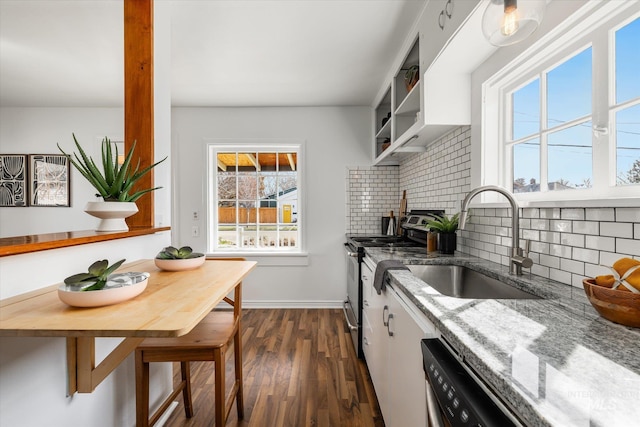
406,392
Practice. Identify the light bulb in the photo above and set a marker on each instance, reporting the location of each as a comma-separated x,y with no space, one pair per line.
510,21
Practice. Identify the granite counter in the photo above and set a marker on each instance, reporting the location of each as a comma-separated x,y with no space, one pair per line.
554,360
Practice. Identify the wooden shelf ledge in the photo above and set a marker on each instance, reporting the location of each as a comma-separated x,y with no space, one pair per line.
42,242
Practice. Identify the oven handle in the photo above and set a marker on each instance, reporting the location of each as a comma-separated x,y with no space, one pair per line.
433,407
350,253
346,316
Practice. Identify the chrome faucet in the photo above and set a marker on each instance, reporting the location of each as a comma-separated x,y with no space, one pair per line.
518,258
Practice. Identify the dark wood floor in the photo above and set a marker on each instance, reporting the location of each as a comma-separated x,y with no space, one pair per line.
300,369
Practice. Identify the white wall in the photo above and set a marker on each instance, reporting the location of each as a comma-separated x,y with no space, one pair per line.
37,131
33,370
334,137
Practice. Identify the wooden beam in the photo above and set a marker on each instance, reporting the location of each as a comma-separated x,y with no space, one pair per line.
254,161
138,98
292,164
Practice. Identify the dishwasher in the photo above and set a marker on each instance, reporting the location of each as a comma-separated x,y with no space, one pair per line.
454,397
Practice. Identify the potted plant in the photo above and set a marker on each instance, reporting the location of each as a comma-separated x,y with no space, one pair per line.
173,259
411,77
114,184
446,228
99,286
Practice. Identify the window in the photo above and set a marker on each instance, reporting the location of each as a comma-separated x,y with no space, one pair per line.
254,198
569,116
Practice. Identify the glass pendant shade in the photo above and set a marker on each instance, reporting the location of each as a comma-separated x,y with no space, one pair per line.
506,22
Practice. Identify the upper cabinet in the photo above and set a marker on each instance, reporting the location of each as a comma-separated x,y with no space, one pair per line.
428,89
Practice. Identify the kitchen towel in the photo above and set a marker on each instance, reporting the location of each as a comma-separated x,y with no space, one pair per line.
381,272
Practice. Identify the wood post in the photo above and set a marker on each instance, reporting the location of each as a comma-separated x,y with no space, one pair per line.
138,98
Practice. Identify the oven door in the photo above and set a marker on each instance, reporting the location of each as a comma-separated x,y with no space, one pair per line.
351,305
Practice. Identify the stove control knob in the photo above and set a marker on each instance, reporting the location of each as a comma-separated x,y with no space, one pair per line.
464,416
456,403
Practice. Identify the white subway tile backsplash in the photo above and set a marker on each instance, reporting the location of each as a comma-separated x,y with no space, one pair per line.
572,266
600,243
576,214
628,214
628,246
560,226
587,255
569,239
567,244
616,229
586,227
601,214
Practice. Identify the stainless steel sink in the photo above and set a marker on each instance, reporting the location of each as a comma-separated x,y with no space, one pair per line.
462,282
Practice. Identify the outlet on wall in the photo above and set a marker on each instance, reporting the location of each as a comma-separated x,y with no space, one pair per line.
196,215
195,231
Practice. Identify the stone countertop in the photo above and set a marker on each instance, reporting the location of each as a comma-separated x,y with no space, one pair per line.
554,360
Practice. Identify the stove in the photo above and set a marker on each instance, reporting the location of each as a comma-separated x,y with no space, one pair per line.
414,234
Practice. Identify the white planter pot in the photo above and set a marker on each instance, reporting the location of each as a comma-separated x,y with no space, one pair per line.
111,214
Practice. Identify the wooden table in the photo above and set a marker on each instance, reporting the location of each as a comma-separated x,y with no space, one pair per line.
171,305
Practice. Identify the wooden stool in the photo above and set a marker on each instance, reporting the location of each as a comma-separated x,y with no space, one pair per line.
208,341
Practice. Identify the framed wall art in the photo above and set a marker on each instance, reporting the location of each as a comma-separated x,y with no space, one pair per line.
13,180
49,180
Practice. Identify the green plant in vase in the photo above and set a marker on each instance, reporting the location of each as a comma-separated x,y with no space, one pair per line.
115,182
446,228
185,252
96,277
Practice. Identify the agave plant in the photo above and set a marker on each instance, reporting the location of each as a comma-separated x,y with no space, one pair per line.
96,276
184,252
444,224
117,181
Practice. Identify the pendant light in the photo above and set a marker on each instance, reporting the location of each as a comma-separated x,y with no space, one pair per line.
506,22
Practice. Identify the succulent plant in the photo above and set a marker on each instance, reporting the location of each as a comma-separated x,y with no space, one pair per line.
117,181
96,276
444,224
184,252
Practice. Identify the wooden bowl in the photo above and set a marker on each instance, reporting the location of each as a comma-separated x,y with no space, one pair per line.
617,306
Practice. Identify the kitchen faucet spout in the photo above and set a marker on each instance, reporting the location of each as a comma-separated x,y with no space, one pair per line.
519,258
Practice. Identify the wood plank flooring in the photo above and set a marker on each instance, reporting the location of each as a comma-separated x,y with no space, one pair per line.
300,369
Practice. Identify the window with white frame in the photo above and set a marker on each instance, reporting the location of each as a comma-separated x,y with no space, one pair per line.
254,198
569,115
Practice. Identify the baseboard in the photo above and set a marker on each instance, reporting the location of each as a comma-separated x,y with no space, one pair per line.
292,304
165,416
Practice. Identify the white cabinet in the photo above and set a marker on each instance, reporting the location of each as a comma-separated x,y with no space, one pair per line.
448,44
393,330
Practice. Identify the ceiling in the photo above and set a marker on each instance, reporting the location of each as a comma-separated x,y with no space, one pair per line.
68,53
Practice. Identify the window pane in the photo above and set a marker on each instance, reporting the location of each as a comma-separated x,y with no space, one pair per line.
267,185
226,212
247,185
628,62
267,236
288,236
526,166
569,90
227,236
268,212
249,236
526,110
570,158
628,145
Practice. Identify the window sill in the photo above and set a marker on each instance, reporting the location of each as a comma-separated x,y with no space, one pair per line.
269,259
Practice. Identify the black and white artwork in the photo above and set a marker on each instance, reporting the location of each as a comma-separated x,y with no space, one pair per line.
49,180
13,180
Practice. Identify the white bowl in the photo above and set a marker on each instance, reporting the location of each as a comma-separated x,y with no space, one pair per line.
124,286
179,264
